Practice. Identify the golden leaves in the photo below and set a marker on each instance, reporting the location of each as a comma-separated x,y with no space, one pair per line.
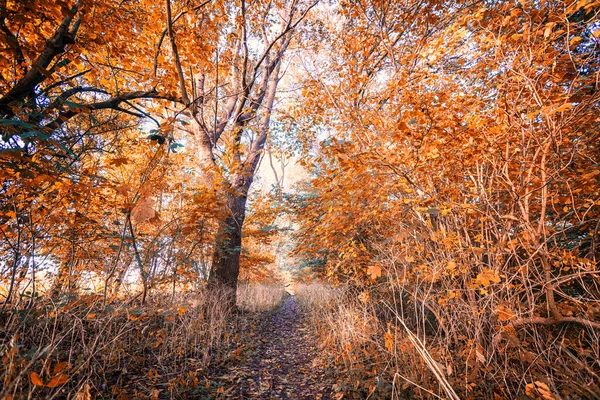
452,294
548,29
538,388
487,277
563,107
374,271
504,313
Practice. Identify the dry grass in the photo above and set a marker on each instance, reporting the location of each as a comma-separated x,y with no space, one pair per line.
381,355
350,322
424,349
315,295
349,328
259,297
122,351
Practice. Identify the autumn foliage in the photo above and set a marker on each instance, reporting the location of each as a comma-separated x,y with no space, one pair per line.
455,162
451,205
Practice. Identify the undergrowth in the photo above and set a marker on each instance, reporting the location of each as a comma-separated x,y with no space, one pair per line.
387,346
77,348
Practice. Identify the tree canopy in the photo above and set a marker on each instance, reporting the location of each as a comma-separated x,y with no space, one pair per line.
450,152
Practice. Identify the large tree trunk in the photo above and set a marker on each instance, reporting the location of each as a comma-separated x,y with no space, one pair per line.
228,246
250,93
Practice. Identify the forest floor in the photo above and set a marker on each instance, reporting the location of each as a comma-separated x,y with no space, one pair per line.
285,362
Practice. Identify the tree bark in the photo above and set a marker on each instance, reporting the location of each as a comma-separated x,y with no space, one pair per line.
225,267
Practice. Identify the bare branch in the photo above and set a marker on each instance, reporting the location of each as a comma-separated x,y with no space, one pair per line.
112,103
177,60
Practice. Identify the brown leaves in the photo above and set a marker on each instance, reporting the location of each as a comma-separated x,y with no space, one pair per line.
389,340
364,296
84,393
117,162
123,189
144,210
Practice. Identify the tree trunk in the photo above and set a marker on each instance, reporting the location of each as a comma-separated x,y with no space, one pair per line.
225,267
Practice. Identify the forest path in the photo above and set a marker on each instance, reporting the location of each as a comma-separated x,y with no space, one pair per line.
285,363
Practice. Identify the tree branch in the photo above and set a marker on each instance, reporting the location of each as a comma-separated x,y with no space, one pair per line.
64,35
553,321
112,103
177,60
60,100
164,32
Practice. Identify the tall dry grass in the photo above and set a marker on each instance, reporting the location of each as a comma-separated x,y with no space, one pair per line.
349,328
400,341
381,354
77,346
259,297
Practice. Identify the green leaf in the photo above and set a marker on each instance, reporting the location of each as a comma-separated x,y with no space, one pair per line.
175,146
64,148
16,122
37,134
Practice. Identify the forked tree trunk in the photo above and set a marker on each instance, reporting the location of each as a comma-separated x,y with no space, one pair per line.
248,106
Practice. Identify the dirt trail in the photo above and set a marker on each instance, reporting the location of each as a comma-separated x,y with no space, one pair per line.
286,362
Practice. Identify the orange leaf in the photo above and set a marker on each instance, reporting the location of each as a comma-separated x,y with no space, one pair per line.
538,388
389,340
487,277
123,189
374,271
60,367
504,313
143,211
35,379
58,380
